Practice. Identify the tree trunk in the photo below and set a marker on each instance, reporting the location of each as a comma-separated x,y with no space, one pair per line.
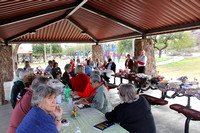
160,52
15,60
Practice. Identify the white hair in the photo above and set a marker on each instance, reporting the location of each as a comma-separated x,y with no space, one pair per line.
128,93
96,78
23,73
40,92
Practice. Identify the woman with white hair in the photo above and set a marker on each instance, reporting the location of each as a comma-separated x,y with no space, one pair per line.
101,99
39,119
79,82
134,114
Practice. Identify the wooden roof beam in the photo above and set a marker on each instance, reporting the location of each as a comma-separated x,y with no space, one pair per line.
130,35
75,23
173,28
112,18
39,13
66,15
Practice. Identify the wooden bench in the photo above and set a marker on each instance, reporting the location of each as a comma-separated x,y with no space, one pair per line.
111,86
191,114
154,100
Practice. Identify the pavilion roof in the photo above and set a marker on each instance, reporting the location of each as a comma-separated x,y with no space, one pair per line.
92,21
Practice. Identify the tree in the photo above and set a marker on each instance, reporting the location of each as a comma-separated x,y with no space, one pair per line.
174,40
124,46
38,49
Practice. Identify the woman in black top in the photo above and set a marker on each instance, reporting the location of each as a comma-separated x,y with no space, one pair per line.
134,114
56,71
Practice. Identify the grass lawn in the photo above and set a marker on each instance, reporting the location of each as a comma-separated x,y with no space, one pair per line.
188,67
33,65
163,58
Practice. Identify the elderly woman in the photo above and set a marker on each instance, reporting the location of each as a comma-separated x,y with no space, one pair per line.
101,99
38,119
134,114
56,71
67,75
23,106
79,83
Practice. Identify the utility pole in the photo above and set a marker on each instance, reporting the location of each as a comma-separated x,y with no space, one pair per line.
45,54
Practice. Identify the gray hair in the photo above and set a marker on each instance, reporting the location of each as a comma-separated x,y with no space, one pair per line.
37,81
23,73
40,92
128,93
80,69
18,71
96,78
67,67
95,72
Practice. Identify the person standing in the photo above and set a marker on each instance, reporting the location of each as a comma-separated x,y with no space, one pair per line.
142,59
129,63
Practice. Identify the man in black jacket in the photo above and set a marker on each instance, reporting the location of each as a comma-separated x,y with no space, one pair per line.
111,65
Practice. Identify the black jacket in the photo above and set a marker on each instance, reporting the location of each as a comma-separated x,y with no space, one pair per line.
113,66
136,117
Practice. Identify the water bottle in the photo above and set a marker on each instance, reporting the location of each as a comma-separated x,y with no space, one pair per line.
78,130
67,93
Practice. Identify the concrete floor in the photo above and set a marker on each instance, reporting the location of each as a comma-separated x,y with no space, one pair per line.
167,120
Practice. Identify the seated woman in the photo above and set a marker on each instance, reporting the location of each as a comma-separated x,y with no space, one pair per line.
67,75
88,68
134,114
23,106
80,82
38,119
101,99
56,71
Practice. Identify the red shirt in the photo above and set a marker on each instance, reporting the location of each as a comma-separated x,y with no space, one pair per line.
72,65
79,83
22,107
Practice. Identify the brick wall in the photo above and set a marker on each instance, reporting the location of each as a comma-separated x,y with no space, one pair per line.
6,70
97,52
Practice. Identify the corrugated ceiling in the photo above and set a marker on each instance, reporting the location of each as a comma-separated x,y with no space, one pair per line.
101,20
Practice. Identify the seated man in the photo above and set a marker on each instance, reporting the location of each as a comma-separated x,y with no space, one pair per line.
18,85
49,67
111,65
27,83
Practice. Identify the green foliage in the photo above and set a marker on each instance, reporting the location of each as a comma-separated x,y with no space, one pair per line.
69,50
184,42
38,49
124,46
174,42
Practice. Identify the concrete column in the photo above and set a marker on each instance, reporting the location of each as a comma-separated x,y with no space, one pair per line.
97,52
147,45
6,71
